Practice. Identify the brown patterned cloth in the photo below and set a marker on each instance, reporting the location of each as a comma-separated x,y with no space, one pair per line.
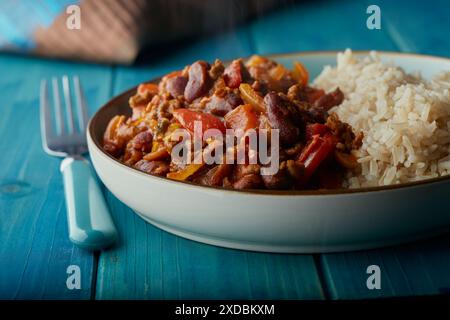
116,30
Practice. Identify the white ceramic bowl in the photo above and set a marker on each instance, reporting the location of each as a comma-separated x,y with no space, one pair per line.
284,221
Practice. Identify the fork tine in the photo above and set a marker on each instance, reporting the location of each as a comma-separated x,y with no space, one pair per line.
81,104
68,102
58,109
45,115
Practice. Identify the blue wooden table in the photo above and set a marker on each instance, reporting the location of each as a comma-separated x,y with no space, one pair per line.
148,263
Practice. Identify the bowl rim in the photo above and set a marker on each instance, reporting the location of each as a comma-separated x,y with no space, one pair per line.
319,192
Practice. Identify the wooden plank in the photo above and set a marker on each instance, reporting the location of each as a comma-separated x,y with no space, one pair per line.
420,268
34,247
152,264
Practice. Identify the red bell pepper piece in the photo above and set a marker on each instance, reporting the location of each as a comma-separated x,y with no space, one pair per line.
187,119
315,153
316,129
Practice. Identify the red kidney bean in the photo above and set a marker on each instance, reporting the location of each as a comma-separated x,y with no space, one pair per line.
159,168
220,106
280,118
279,180
215,176
198,82
330,100
143,141
176,85
250,181
112,149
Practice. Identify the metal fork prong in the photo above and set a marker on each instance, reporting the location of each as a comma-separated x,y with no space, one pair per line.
68,102
58,108
45,115
81,104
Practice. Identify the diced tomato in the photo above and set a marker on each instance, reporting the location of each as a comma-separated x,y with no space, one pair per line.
243,117
187,119
144,87
316,129
315,153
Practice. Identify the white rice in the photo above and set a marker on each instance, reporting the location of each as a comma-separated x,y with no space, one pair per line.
405,119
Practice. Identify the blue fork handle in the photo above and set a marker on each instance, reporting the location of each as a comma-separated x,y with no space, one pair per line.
90,223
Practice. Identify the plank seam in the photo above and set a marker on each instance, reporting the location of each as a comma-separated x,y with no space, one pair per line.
320,269
97,254
94,275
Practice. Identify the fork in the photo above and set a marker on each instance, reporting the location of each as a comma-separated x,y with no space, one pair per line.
89,221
